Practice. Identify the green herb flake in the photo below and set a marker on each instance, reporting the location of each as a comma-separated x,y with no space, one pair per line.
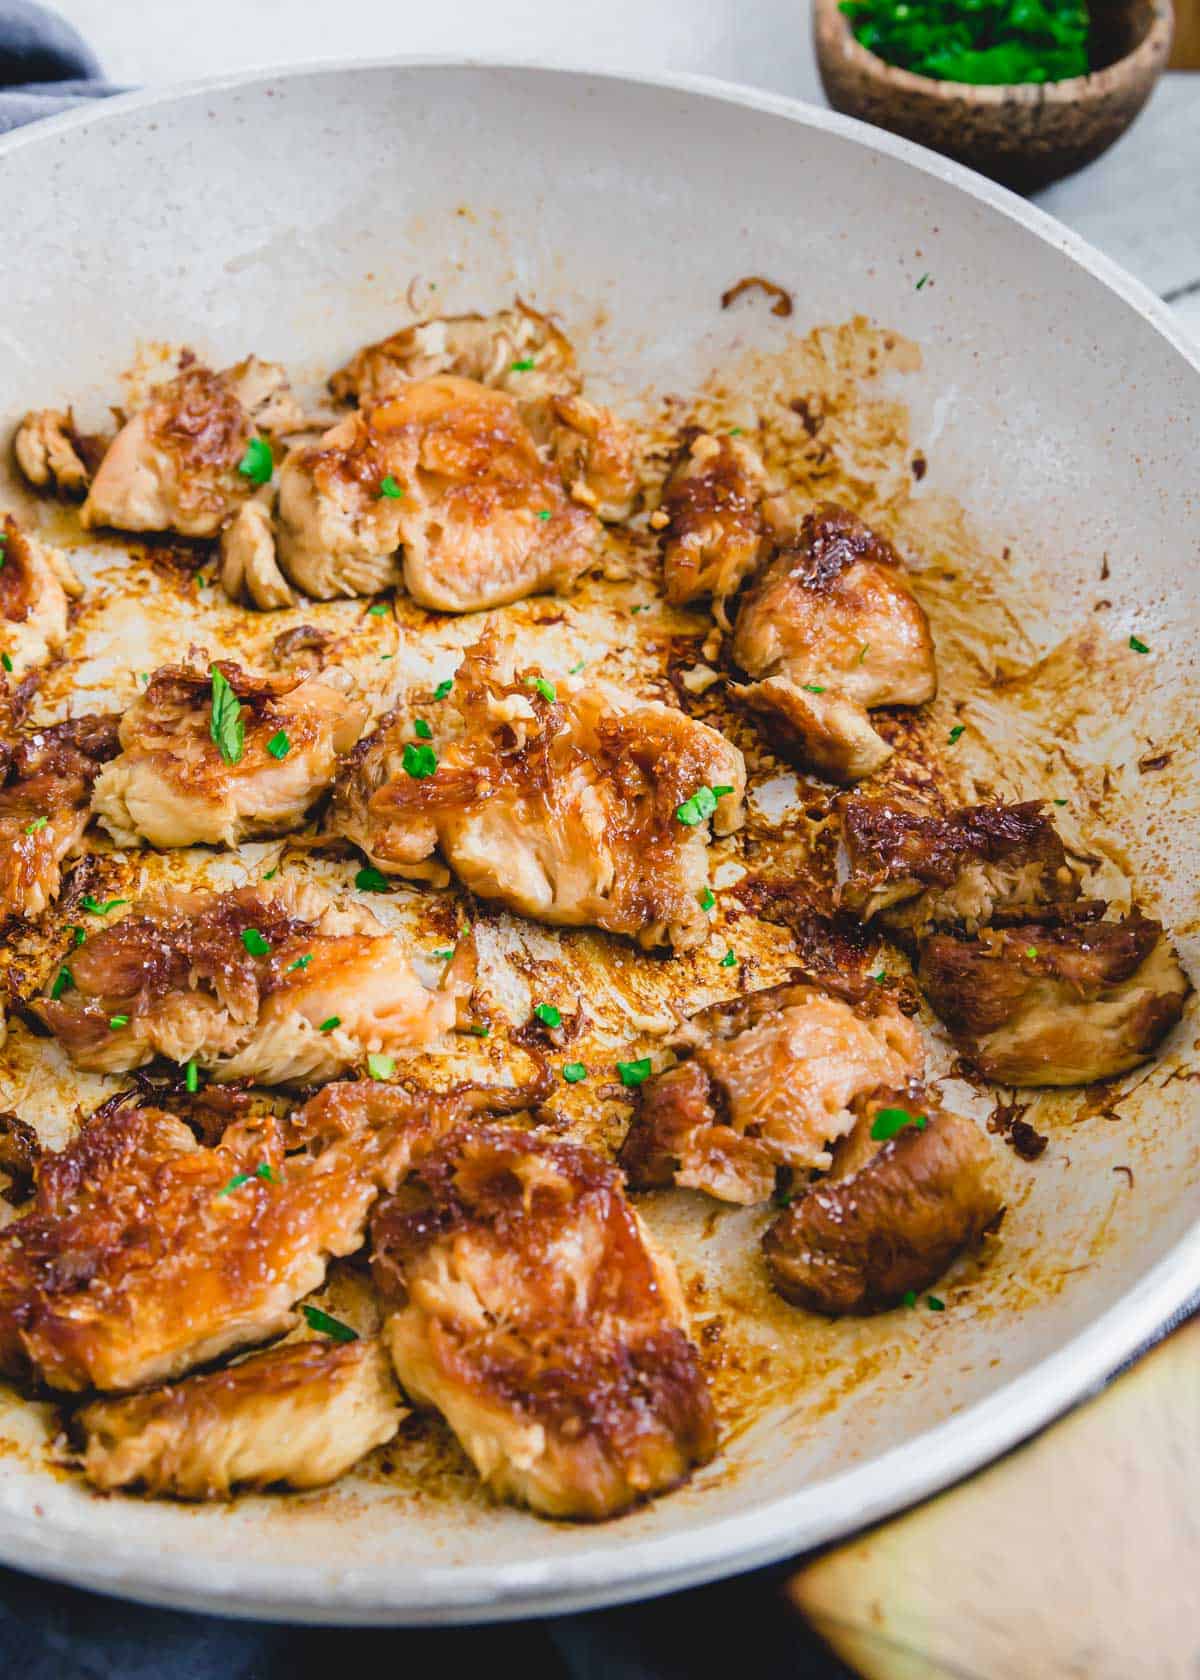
1031,952
328,1325
255,943
889,1121
443,956
36,825
63,981
548,1015
922,282
421,728
707,899
574,670
235,1183
389,489
702,804
419,762
279,746
381,1067
271,873
370,879
525,365
443,688
95,908
544,513
479,1029
300,963
328,1025
257,464
813,688
783,1198
225,725
988,42
735,431
546,689
379,610
1060,802
729,960
6,661
909,1298
635,1073
1138,645
191,1077
862,653
116,1022
201,581
959,729
574,1072
78,934
934,1304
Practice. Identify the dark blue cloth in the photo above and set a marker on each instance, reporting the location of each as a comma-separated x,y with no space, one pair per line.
45,65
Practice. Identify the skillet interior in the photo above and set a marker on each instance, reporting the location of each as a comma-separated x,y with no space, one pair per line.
289,216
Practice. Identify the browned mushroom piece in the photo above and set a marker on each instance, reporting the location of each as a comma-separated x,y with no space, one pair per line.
769,1080
712,501
983,863
893,1213
19,1151
1064,1004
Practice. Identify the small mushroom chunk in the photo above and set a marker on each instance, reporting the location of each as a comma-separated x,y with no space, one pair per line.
713,503
249,570
891,1216
50,452
769,1081
983,863
830,617
1064,1004
297,1416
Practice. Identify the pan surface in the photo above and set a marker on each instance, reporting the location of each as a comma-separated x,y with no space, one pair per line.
294,214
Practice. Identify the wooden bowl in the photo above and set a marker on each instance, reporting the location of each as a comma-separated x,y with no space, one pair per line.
1024,136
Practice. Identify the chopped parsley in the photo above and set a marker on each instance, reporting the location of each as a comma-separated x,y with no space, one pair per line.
729,960
479,1029
6,661
443,688
328,1326
95,908
225,725
330,1023
421,728
783,1198
271,873
546,689
255,943
1060,802
574,670
934,1304
389,489
922,282
371,879
379,610
959,729
543,513
201,581
443,956
419,762
279,746
523,366
634,1073
573,1072
300,962
813,688
116,1022
191,1077
989,42
1138,645
735,431
909,1298
889,1121
257,464
1031,952
381,1067
707,899
78,934
863,651
702,804
548,1015
263,1170
36,824
63,980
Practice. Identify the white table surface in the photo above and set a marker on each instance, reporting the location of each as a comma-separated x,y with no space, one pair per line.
1140,203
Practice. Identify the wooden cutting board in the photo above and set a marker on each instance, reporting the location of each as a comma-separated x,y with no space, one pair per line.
1076,1557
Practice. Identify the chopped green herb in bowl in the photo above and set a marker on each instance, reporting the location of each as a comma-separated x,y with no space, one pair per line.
993,42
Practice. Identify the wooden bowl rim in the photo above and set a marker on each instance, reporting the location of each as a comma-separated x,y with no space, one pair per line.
1151,52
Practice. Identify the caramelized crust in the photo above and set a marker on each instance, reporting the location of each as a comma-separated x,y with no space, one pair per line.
532,1312
595,452
860,1240
713,503
19,1152
481,518
1060,1004
176,972
44,807
174,465
830,614
980,864
171,785
144,1254
51,453
769,1081
35,583
297,1416
563,809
